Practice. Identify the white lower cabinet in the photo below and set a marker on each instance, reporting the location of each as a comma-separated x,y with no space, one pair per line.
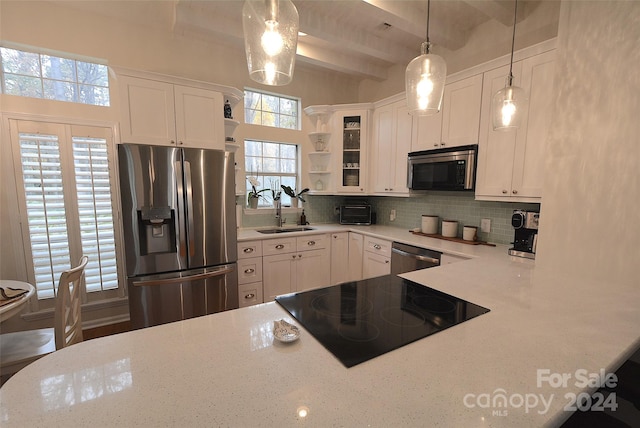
375,265
249,273
295,264
377,258
339,257
356,251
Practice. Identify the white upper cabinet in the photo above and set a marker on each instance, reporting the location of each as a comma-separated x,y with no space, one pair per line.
350,136
391,142
164,113
458,122
511,163
199,117
461,112
537,79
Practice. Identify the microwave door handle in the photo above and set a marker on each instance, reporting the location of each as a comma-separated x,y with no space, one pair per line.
164,281
416,256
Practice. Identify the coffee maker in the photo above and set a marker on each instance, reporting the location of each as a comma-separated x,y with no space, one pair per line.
526,234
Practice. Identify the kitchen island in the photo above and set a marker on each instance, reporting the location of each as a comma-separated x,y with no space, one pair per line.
499,369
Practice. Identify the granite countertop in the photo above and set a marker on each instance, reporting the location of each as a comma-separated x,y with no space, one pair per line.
226,370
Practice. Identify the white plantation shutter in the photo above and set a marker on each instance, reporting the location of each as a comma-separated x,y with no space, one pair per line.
67,205
94,212
42,176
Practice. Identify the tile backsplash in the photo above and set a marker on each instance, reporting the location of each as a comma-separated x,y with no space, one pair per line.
451,206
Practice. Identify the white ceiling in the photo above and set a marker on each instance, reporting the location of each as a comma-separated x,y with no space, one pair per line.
361,38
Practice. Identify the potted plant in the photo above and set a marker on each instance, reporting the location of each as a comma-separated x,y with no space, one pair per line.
294,196
254,194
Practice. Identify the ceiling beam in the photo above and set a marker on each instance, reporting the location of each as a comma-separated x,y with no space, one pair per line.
500,10
411,17
332,30
190,20
344,63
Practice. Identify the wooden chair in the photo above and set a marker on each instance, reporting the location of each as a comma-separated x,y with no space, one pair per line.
21,348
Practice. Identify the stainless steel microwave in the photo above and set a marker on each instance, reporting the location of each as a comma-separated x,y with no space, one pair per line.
452,169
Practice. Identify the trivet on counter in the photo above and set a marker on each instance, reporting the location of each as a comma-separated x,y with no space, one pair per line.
462,241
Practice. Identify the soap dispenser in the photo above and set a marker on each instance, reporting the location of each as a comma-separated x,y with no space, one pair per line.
303,219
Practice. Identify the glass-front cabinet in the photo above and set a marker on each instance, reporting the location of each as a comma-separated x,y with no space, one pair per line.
352,154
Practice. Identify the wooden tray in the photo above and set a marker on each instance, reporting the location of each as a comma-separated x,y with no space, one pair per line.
462,241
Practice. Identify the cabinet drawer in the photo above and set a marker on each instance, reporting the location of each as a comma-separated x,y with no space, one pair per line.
312,242
249,294
278,246
377,246
249,270
249,249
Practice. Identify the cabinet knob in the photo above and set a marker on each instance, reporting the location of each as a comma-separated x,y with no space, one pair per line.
504,191
311,243
279,247
515,192
377,246
391,189
442,144
436,145
293,256
335,236
249,296
386,261
173,142
249,270
248,250
180,143
299,256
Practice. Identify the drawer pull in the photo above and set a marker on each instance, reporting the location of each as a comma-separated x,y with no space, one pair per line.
248,250
250,296
250,270
279,247
311,243
377,246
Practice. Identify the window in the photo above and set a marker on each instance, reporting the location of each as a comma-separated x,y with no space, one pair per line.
266,109
66,204
30,74
272,165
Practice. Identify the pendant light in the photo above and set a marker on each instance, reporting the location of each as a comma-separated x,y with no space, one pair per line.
509,102
424,79
270,40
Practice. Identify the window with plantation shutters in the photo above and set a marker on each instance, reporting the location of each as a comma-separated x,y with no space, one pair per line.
67,204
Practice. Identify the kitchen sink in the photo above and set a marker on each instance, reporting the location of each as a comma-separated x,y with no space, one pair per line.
285,230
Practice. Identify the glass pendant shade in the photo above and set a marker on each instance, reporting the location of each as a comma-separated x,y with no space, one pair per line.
270,40
506,108
424,83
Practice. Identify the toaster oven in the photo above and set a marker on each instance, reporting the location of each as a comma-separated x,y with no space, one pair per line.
355,214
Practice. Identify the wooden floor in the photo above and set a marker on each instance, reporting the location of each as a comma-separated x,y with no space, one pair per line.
106,330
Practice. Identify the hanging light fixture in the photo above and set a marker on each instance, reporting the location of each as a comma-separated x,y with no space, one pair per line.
508,103
424,79
270,40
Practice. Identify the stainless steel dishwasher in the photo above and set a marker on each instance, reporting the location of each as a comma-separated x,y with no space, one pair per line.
407,258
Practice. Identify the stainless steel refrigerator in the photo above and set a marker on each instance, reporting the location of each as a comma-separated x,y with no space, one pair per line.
178,212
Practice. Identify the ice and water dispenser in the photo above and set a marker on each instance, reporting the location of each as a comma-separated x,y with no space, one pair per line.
157,230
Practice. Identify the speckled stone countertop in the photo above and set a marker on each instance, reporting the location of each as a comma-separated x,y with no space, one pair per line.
226,370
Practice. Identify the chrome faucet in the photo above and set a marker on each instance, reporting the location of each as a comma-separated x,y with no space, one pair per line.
279,217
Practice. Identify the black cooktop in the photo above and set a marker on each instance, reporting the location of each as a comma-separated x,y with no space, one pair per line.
358,321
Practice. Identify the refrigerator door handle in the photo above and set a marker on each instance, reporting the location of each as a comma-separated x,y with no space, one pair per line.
164,281
190,212
182,244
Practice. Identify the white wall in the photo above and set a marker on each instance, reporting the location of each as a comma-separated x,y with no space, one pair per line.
590,216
